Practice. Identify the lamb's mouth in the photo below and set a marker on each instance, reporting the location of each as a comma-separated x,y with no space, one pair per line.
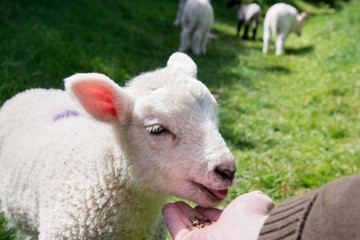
218,194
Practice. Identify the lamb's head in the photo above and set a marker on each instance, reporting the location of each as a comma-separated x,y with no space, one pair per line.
168,129
300,23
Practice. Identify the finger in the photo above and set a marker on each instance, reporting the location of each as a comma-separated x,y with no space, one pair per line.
194,219
186,209
188,212
174,219
263,203
212,214
267,201
254,202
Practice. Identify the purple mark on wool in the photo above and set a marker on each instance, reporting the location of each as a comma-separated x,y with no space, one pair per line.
66,114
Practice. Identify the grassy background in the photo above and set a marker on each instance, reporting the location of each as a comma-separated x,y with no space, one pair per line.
291,121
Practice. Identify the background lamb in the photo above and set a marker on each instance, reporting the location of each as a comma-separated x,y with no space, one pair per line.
97,161
196,22
248,14
281,19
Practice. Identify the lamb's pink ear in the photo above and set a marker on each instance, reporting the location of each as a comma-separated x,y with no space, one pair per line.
103,99
303,16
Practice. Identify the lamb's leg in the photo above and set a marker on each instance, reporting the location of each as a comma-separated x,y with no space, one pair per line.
56,222
245,36
254,33
188,25
177,19
185,40
49,231
280,42
240,22
205,38
61,221
255,25
196,41
266,39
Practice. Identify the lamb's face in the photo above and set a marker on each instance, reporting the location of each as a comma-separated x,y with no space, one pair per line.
300,23
179,150
299,28
167,129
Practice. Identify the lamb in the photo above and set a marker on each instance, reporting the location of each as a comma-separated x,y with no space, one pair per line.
248,14
196,22
281,19
98,161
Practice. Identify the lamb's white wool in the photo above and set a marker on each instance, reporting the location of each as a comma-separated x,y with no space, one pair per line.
281,19
189,66
196,22
97,161
248,14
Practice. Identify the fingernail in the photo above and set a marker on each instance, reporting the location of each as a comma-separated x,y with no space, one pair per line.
260,192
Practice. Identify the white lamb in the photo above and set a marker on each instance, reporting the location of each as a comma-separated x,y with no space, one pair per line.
97,161
246,13
281,19
196,22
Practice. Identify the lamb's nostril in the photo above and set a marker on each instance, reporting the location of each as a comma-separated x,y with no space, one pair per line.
225,173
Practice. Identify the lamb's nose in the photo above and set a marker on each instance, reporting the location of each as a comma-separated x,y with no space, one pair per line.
225,173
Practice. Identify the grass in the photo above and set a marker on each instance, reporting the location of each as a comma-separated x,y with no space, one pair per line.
291,121
297,124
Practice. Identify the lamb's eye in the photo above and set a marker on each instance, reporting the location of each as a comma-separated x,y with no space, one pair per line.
156,129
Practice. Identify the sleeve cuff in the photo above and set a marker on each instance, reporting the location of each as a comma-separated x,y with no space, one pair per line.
287,220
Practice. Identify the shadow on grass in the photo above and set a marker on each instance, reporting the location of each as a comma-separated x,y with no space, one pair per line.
291,50
118,38
273,69
276,69
299,51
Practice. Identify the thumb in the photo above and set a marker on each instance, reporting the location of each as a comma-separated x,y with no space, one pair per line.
175,220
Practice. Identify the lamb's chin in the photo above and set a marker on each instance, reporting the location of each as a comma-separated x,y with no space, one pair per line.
202,195
206,200
211,197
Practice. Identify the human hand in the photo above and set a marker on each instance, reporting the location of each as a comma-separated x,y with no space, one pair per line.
243,218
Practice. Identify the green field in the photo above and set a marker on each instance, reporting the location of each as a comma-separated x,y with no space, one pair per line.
291,121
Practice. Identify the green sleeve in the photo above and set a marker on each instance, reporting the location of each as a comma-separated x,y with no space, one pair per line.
330,212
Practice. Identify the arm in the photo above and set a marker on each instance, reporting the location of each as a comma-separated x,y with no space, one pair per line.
331,212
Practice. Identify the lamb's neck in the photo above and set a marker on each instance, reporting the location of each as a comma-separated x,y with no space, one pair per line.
144,214
138,209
